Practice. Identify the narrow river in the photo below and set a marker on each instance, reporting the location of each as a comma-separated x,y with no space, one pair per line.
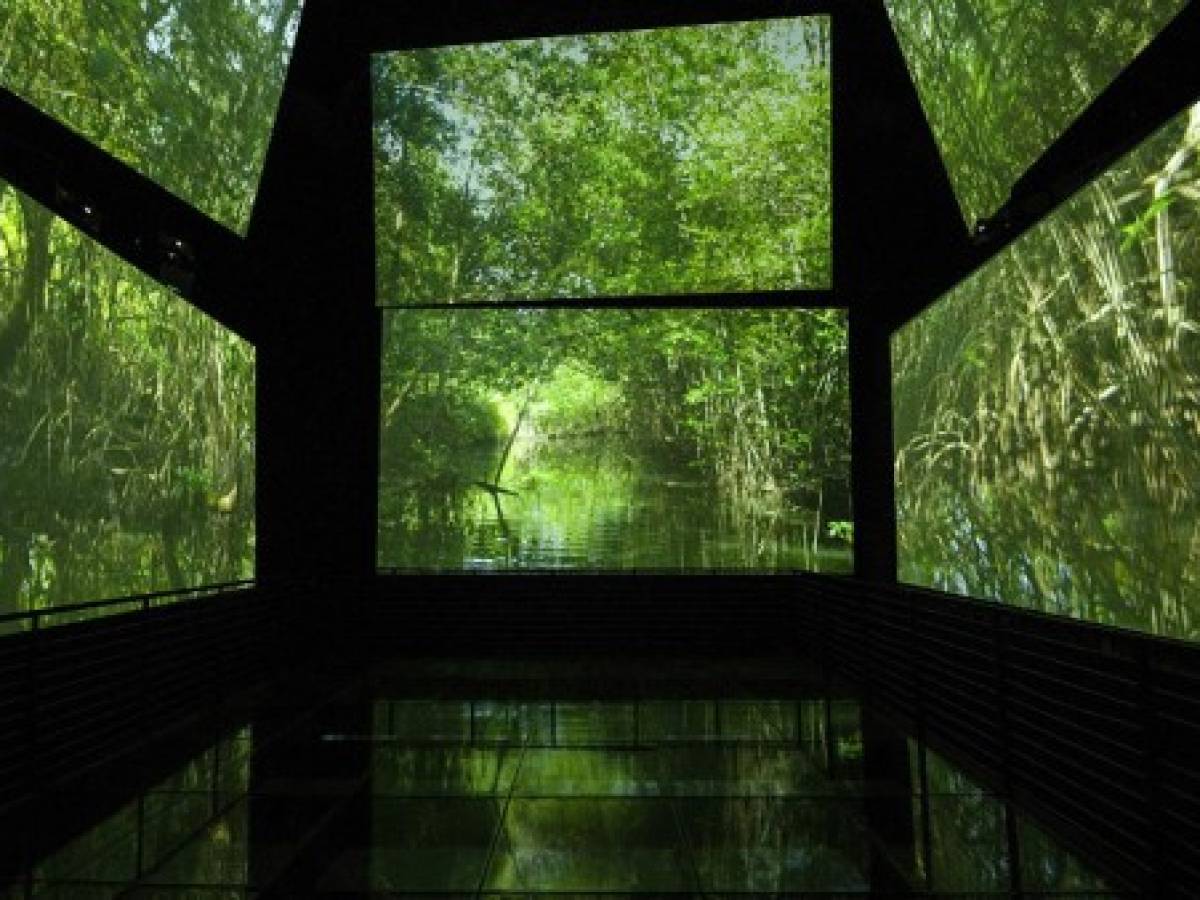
593,504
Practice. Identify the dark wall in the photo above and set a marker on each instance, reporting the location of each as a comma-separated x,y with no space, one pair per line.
312,234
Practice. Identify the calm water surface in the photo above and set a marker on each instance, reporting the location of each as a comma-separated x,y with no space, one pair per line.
593,504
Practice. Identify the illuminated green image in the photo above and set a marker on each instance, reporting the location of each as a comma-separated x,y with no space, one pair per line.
612,439
185,92
1047,410
1000,80
126,426
673,161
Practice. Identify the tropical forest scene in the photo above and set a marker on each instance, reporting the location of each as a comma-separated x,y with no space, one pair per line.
674,161
1047,411
127,417
126,426
185,92
606,438
1000,80
615,439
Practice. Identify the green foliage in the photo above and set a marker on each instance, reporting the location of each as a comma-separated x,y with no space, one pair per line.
437,429
564,168
124,416
1000,80
561,168
184,91
1046,411
750,404
1136,232
577,402
841,530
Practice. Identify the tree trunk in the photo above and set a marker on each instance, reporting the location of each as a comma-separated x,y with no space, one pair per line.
31,292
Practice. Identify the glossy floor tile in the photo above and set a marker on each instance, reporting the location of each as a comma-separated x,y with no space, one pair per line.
446,790
591,844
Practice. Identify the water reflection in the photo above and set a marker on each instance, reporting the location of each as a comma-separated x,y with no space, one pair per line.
461,795
593,503
727,795
188,829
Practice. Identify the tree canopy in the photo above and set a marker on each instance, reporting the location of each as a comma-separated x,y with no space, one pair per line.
1000,80
185,92
679,160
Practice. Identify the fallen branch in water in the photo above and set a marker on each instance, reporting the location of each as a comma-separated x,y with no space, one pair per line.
494,489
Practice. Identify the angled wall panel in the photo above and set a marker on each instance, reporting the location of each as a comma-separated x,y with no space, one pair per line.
126,426
1000,80
185,92
1047,410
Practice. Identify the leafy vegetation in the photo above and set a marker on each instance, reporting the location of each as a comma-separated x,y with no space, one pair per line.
126,418
1047,410
1001,79
675,161
126,426
186,92
740,413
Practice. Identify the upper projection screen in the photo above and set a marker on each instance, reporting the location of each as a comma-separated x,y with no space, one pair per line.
1000,80
674,161
185,91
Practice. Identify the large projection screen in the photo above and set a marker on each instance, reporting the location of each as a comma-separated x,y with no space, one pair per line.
664,162
127,426
681,440
1047,410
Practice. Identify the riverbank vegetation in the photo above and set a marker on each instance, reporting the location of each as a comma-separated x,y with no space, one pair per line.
126,426
604,438
127,417
1047,410
746,409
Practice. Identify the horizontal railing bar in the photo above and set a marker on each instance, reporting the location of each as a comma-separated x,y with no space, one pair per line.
1122,743
199,592
1120,779
1025,674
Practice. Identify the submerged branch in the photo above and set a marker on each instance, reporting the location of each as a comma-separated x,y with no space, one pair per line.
512,437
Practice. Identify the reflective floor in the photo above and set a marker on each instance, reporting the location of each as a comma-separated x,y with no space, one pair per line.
454,779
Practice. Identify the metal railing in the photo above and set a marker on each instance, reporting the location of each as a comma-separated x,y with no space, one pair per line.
33,619
1089,726
111,675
